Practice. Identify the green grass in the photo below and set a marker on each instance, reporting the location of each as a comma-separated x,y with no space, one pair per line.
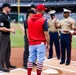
14,24
74,42
17,39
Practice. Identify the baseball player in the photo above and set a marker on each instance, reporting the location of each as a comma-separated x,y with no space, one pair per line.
54,36
38,36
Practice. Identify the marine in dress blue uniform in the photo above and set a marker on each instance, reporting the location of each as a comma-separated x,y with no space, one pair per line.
54,36
67,24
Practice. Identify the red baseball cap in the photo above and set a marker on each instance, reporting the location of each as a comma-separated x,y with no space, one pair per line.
40,7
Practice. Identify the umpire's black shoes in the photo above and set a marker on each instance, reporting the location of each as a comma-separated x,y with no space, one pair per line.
62,62
58,58
25,67
6,70
49,57
14,67
67,63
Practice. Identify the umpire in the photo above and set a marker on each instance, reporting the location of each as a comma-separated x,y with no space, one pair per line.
30,12
5,48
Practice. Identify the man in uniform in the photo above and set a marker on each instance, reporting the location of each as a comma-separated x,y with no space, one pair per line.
38,36
33,7
67,24
30,12
54,36
5,48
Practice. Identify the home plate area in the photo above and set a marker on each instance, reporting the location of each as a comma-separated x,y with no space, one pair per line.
51,67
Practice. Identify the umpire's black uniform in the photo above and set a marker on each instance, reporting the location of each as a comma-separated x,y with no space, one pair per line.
26,47
5,49
5,41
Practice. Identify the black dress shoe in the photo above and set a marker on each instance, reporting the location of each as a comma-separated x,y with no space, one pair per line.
58,58
4,70
25,67
49,57
62,62
11,67
67,64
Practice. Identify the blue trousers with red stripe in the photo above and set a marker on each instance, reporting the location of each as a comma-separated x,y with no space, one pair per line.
65,47
54,38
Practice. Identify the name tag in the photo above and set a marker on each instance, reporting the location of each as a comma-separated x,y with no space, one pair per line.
68,23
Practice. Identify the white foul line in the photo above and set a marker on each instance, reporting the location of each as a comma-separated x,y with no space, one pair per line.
16,70
59,67
21,26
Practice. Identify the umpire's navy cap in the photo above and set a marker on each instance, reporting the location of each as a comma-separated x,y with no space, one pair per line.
6,5
33,6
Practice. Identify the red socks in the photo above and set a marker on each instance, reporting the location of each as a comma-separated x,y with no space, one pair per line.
39,68
29,68
39,72
29,71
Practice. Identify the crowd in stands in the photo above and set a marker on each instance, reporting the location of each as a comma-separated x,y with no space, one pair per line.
34,0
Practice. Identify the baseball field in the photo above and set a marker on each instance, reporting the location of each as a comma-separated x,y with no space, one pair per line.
51,67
